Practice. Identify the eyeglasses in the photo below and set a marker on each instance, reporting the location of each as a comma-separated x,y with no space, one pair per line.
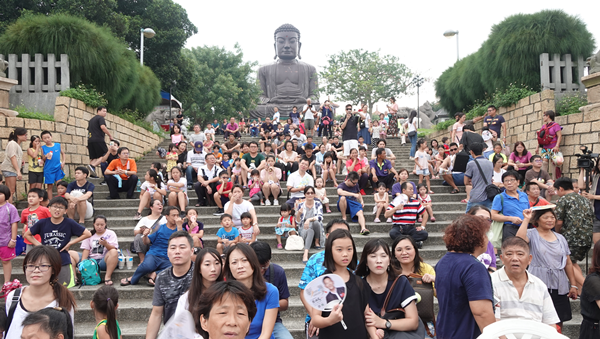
537,160
309,193
57,207
42,268
509,181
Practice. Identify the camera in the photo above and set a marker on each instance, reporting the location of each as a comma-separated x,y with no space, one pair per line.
587,159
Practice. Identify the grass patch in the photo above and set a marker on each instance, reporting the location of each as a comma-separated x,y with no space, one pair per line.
570,103
26,113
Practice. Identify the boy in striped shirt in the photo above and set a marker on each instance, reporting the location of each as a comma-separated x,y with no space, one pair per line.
404,211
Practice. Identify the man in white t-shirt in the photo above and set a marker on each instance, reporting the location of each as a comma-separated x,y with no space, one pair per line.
198,135
309,117
297,181
208,178
298,136
276,115
195,160
236,206
209,132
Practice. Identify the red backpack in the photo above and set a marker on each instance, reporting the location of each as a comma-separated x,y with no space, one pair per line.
543,135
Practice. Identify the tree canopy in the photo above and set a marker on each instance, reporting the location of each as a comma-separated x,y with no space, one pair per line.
510,55
219,79
362,76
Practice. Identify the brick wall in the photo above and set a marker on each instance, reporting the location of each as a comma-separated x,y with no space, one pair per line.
70,130
525,118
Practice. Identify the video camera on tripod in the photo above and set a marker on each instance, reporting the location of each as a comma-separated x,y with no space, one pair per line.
586,161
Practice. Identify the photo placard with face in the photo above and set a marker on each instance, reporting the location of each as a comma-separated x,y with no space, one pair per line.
325,292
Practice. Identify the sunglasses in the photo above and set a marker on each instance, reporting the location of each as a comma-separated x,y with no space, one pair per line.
454,149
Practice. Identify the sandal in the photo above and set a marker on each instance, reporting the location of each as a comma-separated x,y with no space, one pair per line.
108,282
328,211
125,282
431,192
432,219
151,282
464,201
454,191
365,232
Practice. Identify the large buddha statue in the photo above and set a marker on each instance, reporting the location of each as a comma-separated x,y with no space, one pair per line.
287,82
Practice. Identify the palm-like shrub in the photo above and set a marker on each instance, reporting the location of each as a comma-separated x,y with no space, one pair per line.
96,57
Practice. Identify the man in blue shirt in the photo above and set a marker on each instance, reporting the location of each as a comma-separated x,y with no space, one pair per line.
313,269
156,258
511,204
275,275
382,170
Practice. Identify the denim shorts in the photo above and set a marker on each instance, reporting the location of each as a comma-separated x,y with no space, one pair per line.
423,171
8,174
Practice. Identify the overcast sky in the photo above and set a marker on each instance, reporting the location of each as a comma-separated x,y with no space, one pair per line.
410,30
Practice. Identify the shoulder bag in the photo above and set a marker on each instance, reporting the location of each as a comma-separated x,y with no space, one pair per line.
491,190
399,313
497,227
132,245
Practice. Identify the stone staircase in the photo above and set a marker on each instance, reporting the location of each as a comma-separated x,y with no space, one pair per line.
135,302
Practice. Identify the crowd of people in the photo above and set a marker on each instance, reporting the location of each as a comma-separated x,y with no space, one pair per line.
510,218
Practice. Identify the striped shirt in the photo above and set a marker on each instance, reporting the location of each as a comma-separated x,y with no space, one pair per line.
534,304
408,214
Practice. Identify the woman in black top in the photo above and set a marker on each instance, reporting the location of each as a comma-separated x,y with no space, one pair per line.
376,270
590,299
348,319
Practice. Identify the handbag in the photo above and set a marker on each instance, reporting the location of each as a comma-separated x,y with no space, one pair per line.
497,227
294,243
425,290
491,190
132,244
399,313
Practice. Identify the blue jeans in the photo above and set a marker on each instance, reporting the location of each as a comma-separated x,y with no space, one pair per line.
281,332
254,132
151,264
189,174
487,203
413,145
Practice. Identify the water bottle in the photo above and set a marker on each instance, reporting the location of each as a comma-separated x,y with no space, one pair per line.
138,186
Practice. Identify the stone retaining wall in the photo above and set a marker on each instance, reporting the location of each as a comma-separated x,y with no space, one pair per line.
70,130
525,118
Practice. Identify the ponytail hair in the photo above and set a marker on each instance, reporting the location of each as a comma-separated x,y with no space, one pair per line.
105,301
63,296
154,175
14,134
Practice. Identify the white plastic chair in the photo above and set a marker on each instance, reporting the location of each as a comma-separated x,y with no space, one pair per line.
520,329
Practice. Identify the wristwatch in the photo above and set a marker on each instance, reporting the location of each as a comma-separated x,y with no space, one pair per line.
388,324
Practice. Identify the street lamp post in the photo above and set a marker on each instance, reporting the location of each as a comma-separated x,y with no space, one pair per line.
418,81
171,99
148,33
449,34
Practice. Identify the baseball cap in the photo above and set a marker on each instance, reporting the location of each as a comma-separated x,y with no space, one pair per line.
198,146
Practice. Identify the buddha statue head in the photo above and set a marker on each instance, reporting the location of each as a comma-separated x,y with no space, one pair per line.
287,42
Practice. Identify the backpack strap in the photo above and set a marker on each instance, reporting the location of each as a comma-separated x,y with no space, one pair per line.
13,307
481,171
271,273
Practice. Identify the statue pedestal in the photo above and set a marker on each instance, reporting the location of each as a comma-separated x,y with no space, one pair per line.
5,86
592,83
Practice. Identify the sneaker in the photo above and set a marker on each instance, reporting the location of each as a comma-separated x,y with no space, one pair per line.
219,212
267,202
92,171
138,216
362,192
103,183
275,202
262,203
389,220
376,220
189,186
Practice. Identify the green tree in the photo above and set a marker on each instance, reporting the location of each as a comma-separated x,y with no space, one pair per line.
511,55
96,57
362,76
220,79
